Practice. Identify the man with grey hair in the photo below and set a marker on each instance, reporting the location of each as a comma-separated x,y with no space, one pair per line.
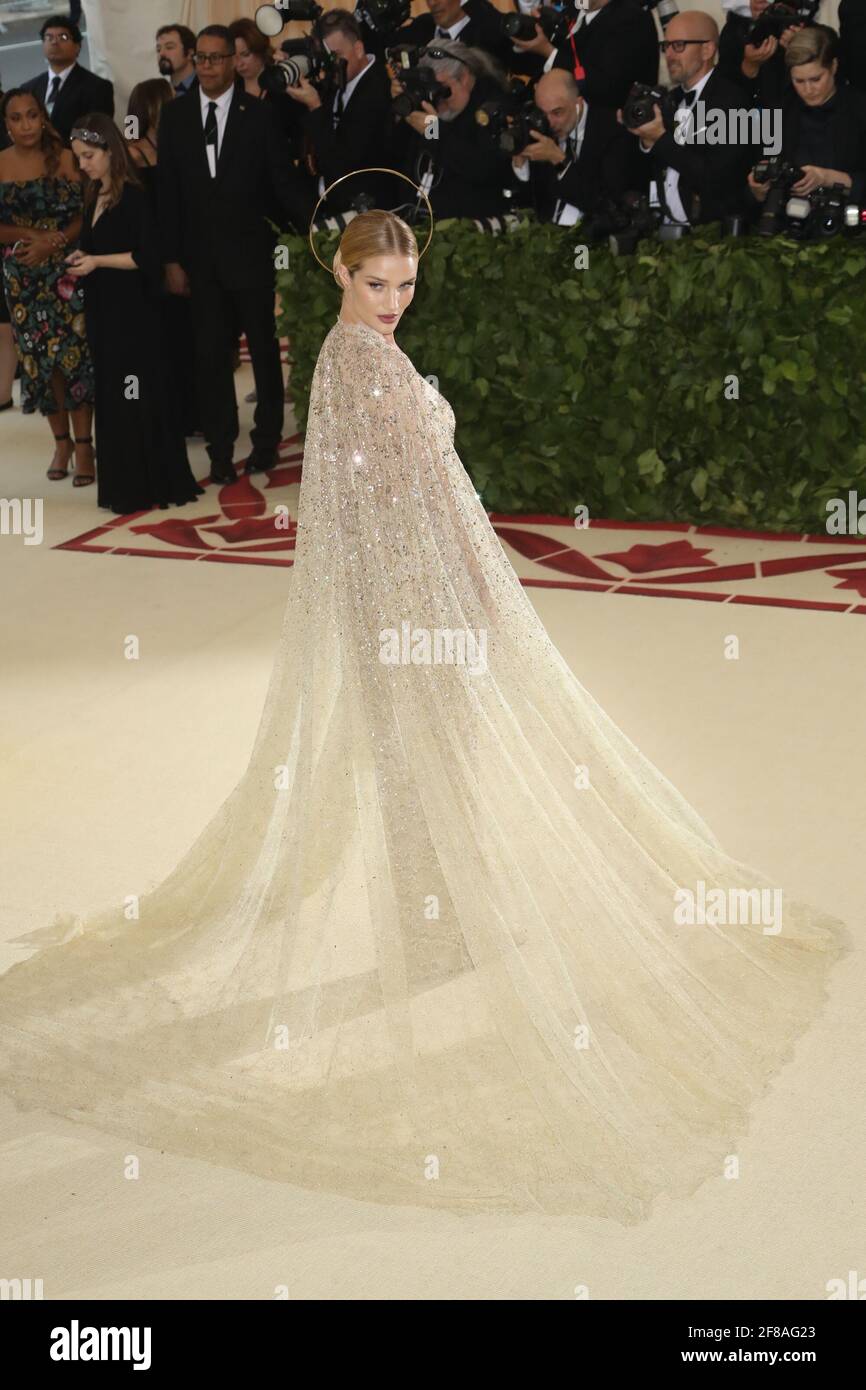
446,149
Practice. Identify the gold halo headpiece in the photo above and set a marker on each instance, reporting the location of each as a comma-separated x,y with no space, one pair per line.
374,170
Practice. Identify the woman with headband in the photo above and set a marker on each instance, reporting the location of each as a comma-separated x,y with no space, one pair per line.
437,946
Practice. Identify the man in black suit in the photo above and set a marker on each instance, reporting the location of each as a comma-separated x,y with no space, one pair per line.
589,156
222,172
609,46
446,150
476,23
68,91
348,127
698,182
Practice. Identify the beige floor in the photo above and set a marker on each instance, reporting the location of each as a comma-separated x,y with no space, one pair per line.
111,768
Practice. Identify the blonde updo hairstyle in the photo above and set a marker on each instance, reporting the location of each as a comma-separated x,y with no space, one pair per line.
373,233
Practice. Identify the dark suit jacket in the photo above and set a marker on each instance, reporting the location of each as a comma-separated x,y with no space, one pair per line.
216,228
81,93
357,142
484,30
603,169
712,177
470,173
620,47
846,135
770,85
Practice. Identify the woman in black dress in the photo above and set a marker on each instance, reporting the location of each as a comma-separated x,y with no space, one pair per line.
140,449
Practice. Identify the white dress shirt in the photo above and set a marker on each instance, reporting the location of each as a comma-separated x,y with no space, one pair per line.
564,214
583,19
347,92
49,100
222,110
675,211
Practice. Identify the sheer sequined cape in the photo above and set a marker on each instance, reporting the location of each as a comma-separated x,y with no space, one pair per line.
417,956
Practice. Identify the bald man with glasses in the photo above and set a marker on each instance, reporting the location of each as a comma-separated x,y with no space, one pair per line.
696,182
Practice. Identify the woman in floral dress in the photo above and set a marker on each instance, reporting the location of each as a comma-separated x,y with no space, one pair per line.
40,219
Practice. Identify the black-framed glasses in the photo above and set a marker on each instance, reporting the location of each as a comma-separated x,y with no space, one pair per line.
679,45
209,60
440,56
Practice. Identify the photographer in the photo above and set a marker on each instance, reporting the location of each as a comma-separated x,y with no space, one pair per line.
696,182
759,68
824,125
588,158
609,46
476,23
341,142
852,43
447,150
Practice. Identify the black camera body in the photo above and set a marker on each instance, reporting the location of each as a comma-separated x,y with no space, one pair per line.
622,223
512,130
420,83
818,214
555,24
780,16
638,106
382,16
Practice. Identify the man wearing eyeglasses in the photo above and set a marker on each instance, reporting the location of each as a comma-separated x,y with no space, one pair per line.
68,90
696,182
223,171
610,45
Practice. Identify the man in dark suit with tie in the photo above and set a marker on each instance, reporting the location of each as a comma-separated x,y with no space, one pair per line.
697,182
588,158
223,171
68,91
348,127
609,46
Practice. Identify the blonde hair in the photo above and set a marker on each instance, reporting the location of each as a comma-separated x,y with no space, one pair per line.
373,233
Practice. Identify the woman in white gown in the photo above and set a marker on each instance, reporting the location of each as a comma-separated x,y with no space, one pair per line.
430,949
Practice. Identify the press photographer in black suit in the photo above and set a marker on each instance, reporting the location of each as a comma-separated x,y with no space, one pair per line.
446,150
589,156
758,68
348,128
823,125
696,182
614,41
68,90
222,172
476,23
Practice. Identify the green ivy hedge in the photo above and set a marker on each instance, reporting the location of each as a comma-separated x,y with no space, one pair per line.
606,386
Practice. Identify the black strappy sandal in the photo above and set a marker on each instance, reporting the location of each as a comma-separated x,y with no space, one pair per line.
54,473
84,479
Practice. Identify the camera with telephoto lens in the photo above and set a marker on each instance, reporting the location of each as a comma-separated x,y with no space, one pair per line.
405,63
665,9
512,130
309,57
818,214
382,16
780,16
555,22
637,109
781,177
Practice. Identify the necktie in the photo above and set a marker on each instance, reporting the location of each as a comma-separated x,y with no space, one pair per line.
52,94
210,128
338,107
441,33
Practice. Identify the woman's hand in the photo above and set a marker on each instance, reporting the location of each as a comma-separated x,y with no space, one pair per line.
420,120
38,247
759,190
79,264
